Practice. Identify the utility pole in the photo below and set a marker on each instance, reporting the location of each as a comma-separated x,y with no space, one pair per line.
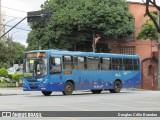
12,27
96,38
158,85
93,44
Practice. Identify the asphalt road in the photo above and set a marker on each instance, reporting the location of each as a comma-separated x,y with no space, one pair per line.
14,99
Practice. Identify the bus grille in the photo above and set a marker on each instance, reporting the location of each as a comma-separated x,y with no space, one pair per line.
32,80
33,86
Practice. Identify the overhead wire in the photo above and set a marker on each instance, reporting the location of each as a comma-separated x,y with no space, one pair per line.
13,9
10,16
17,27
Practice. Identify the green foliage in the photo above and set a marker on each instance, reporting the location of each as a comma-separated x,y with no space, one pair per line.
16,77
20,52
10,76
4,64
73,23
10,51
3,72
149,31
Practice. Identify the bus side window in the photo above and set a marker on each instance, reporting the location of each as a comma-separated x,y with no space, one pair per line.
105,63
92,63
136,64
81,63
127,64
68,62
116,64
55,65
75,61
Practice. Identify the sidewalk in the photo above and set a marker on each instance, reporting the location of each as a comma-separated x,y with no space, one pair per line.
12,91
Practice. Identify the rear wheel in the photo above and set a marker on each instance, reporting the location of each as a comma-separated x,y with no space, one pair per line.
117,87
96,91
68,88
46,93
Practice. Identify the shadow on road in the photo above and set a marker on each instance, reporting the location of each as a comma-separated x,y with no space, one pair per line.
82,93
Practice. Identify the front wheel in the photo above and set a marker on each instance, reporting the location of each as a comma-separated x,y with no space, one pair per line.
46,93
68,88
117,87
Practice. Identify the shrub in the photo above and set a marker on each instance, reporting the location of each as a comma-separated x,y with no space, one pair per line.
10,76
3,72
16,77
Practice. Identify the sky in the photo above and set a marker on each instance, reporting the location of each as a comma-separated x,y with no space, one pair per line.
15,10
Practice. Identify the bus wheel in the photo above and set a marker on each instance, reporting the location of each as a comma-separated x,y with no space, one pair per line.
68,88
46,93
117,87
96,91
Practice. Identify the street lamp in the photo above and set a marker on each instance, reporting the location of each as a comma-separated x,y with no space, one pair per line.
13,27
31,16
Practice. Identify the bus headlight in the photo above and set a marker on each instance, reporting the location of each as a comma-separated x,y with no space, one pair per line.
39,79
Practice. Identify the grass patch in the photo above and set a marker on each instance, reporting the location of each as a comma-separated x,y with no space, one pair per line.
7,84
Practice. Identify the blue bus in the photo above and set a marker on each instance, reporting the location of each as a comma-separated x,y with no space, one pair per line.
66,71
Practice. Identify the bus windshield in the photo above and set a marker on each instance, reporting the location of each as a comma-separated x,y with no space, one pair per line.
35,67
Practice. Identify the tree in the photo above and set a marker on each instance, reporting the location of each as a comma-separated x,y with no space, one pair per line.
149,31
11,52
19,52
148,3
74,22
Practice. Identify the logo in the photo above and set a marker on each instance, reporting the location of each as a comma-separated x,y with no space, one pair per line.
6,114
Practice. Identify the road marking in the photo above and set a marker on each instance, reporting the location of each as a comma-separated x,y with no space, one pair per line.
71,118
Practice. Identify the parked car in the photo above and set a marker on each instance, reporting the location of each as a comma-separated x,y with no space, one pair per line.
11,70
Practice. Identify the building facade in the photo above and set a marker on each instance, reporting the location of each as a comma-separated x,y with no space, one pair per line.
147,49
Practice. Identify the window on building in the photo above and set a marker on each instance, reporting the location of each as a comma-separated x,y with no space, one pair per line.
130,50
130,38
92,63
116,64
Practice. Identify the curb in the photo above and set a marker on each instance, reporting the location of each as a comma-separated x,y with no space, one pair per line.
8,94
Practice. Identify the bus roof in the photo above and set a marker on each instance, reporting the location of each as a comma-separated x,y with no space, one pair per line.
78,53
